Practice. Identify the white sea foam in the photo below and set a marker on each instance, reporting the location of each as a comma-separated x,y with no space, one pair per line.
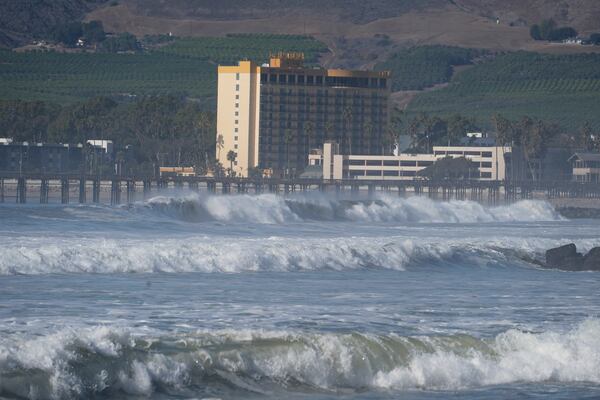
119,361
273,209
234,255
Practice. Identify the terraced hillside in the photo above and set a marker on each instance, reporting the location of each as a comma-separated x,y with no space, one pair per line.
564,89
186,67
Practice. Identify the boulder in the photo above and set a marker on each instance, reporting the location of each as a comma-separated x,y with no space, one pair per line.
565,257
591,261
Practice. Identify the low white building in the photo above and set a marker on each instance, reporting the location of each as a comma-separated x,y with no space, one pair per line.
489,161
106,145
586,167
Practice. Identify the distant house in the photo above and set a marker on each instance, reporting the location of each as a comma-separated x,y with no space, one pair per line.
586,167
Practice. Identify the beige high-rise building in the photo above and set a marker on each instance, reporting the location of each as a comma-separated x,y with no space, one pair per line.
270,116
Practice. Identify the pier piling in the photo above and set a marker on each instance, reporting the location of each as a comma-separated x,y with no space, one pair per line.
21,190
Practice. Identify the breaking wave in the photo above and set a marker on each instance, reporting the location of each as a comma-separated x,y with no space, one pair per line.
108,362
273,209
235,255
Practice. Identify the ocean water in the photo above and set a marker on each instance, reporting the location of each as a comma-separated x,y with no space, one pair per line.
188,296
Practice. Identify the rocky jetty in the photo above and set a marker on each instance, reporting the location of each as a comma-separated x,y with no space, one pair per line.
568,259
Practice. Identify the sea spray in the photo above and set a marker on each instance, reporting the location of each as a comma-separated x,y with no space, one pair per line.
273,209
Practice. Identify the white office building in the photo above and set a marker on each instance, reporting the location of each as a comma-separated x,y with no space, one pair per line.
489,160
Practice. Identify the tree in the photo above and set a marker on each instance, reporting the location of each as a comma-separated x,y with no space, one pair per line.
231,156
288,139
121,43
347,115
458,126
585,137
533,137
328,129
535,32
392,136
68,33
255,173
93,32
546,28
451,168
220,145
368,132
309,131
562,34
504,130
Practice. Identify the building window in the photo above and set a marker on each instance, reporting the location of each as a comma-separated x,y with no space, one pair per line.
376,163
408,163
237,113
373,172
237,76
486,154
235,138
237,96
236,131
486,164
235,146
237,121
237,105
391,163
391,173
486,174
237,88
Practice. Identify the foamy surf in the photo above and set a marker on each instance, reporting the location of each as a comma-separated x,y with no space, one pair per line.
110,362
274,254
273,209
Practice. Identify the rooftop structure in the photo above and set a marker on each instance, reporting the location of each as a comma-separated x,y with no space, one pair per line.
271,115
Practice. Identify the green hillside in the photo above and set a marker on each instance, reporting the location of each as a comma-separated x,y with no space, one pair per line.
564,89
417,68
186,67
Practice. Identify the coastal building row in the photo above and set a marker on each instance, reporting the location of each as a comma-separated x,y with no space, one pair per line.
270,116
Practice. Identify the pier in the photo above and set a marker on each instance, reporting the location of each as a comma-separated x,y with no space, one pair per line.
68,189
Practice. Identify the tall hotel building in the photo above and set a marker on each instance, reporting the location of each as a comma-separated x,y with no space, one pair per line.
272,115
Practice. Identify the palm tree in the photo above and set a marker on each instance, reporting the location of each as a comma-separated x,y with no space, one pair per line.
368,129
231,156
347,115
309,130
288,139
220,145
328,129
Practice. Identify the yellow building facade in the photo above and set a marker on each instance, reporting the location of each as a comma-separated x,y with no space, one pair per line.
270,116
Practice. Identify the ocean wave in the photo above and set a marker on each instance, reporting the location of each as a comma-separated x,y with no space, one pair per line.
283,254
273,209
109,361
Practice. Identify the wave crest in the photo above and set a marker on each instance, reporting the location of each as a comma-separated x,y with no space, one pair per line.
236,255
110,361
273,209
